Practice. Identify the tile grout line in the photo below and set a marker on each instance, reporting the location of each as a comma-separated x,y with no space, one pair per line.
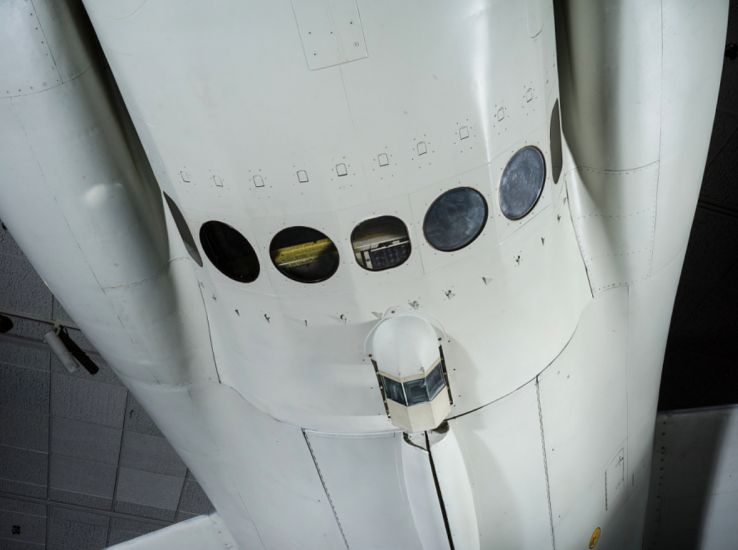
33,544
86,509
39,319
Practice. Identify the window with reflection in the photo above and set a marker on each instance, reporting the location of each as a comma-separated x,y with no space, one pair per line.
455,219
393,390
557,154
304,254
381,243
435,382
229,251
418,391
522,183
184,230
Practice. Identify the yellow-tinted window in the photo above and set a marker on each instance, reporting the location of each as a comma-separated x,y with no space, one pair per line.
304,254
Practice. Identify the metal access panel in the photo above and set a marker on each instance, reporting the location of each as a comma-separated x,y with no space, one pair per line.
694,481
584,417
508,480
363,476
331,32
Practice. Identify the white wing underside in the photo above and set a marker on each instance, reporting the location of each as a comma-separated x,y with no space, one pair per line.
200,533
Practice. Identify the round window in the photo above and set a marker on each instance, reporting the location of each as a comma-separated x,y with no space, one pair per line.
184,230
304,254
557,154
455,219
381,243
229,251
522,183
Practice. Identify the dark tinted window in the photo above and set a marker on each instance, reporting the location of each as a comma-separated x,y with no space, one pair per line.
522,183
393,390
557,157
229,251
435,382
416,392
425,389
304,254
455,219
381,243
184,230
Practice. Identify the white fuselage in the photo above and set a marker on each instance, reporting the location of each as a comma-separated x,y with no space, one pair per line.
260,370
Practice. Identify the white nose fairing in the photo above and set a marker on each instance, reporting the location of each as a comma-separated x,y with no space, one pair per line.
261,137
343,254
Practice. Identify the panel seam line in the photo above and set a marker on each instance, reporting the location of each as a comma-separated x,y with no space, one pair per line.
440,495
325,487
545,463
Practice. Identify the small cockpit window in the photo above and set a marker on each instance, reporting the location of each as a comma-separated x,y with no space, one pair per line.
393,390
304,254
229,251
455,219
435,382
381,243
415,392
522,183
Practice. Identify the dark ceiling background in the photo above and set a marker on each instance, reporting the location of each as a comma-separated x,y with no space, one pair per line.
701,363
82,466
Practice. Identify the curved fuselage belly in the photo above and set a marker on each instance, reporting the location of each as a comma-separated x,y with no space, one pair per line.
271,116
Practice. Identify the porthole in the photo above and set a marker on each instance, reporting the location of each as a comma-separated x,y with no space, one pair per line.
522,183
184,230
304,254
229,251
381,243
455,219
557,157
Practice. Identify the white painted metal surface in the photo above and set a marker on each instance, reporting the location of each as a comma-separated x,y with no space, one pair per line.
404,344
365,478
357,118
423,497
454,485
331,32
200,533
694,489
555,324
503,448
584,412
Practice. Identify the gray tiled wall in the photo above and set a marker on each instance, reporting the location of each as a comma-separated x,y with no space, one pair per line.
82,466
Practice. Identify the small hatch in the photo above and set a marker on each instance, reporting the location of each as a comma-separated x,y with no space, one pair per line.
229,251
381,243
304,254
